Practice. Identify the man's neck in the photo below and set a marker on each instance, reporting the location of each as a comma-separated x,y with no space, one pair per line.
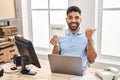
74,32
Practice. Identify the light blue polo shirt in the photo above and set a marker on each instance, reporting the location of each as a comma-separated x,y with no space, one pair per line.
74,45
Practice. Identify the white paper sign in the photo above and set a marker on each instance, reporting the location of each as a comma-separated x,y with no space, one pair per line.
58,30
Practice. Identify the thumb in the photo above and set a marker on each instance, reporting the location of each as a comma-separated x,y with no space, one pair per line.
94,30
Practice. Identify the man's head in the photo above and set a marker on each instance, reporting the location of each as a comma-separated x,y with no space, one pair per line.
73,18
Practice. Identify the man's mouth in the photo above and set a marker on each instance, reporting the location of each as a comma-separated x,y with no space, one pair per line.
73,24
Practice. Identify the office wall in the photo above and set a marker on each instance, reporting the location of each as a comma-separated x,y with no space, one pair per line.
7,9
88,11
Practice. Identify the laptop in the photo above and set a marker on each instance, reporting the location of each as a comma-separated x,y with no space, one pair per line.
65,64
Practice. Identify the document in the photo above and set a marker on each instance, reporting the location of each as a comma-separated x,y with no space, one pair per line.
58,30
86,77
77,78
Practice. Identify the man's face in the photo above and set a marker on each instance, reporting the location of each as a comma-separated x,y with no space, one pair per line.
73,20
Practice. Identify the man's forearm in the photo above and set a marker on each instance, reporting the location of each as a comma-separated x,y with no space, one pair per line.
91,53
55,50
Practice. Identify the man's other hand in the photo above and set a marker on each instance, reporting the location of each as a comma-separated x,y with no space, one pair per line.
54,40
89,32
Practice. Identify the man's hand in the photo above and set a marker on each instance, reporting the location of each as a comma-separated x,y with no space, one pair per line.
89,32
54,40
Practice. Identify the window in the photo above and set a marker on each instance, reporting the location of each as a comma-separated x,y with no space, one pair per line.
45,13
109,28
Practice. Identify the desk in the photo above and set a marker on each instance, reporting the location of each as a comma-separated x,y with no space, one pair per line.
43,73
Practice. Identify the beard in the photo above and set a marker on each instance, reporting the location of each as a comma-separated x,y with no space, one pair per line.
73,28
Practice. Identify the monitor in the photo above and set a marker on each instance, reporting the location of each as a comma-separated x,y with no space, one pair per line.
27,54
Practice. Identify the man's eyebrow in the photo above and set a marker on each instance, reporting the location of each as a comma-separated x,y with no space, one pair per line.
77,16
69,16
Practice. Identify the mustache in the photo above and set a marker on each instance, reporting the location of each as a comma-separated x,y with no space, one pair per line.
74,23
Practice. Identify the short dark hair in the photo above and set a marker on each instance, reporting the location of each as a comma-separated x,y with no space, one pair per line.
73,8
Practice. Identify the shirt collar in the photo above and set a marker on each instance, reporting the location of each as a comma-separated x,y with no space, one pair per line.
81,31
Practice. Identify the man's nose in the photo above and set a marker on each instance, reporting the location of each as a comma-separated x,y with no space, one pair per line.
73,20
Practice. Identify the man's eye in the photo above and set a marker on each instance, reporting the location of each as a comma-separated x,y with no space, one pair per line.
76,17
70,18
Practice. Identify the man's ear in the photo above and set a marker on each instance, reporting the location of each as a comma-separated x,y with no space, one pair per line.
66,19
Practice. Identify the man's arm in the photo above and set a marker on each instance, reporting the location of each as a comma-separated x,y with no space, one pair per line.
54,42
91,53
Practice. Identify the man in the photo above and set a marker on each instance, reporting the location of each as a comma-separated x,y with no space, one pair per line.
76,42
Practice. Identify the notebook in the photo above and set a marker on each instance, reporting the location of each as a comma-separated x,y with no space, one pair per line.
65,64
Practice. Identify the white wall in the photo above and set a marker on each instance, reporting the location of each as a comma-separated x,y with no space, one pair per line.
88,11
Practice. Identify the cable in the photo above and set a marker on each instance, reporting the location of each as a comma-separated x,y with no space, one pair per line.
11,72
